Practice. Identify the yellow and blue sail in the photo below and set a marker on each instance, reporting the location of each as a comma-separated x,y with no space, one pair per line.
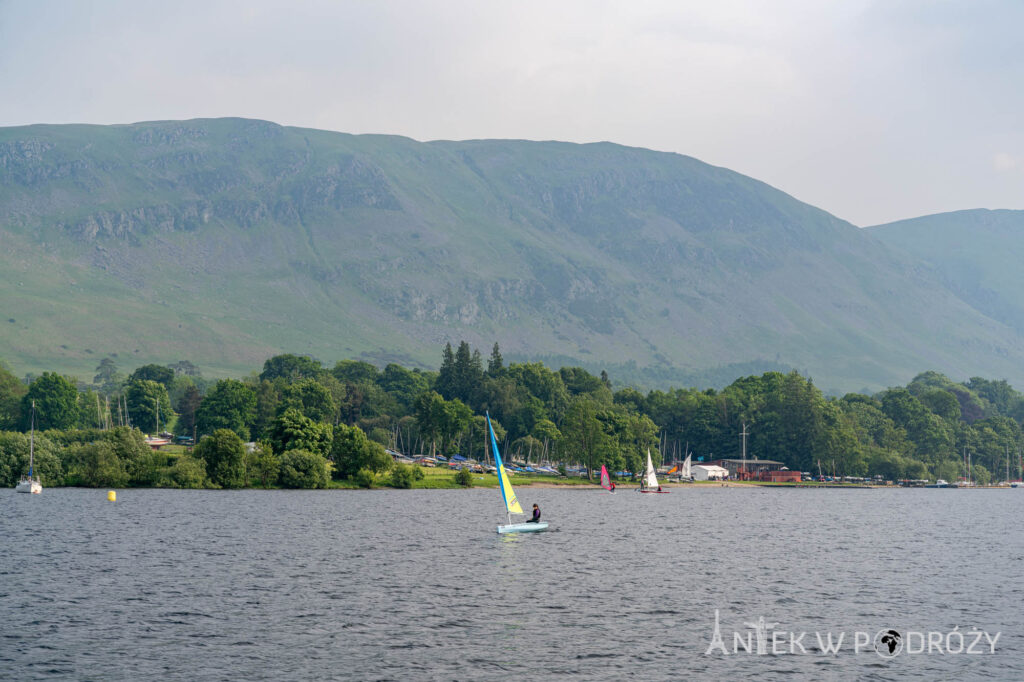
507,493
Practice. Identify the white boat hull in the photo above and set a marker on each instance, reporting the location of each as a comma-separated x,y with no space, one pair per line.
523,527
29,486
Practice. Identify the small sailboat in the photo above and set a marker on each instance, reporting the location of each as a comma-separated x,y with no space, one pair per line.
686,473
509,495
606,480
650,482
30,484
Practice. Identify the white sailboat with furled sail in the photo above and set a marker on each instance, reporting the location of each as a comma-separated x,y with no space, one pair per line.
509,495
30,483
650,484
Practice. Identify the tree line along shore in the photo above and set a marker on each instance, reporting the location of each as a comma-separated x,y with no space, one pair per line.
300,424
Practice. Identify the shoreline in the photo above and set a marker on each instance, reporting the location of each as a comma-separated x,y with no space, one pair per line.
564,485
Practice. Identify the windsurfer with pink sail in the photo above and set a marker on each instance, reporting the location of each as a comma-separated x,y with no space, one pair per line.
606,481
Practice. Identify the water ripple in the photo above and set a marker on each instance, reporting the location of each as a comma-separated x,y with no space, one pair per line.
411,585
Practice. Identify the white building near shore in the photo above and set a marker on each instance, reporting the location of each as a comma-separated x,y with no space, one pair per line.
709,472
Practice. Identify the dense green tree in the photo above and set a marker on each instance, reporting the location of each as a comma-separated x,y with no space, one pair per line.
186,407
303,469
14,459
464,478
469,369
353,451
262,465
404,385
95,465
632,399
107,380
230,404
430,417
11,392
442,421
130,448
188,472
294,431
980,475
350,408
999,394
932,437
148,404
942,403
158,373
545,431
445,383
404,475
584,438
355,372
92,412
56,401
291,367
268,395
578,380
991,441
461,373
224,455
543,384
184,368
310,398
496,364
634,436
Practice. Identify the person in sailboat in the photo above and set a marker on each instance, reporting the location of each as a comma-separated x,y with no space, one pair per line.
536,515
611,485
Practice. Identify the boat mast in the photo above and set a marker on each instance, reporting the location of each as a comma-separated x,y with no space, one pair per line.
32,441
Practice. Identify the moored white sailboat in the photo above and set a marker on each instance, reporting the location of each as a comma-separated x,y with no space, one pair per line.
30,483
508,495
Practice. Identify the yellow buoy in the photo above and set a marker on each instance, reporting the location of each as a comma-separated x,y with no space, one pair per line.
112,496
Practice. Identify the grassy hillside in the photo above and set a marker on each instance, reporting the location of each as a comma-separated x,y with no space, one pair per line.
225,241
977,253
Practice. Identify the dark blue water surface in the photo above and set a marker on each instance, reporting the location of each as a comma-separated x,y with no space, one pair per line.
409,585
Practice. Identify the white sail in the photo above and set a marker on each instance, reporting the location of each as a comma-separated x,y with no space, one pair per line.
649,476
685,473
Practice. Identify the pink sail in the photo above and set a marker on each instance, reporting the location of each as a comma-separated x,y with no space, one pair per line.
606,481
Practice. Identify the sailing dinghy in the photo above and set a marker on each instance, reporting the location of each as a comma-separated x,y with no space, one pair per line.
650,478
509,495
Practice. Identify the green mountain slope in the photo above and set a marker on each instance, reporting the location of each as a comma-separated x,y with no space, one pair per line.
224,241
977,253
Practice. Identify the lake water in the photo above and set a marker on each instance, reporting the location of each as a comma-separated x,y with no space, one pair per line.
409,585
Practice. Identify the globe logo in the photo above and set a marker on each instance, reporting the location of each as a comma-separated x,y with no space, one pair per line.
888,643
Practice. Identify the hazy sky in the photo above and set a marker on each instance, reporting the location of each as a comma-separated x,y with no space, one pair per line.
874,111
